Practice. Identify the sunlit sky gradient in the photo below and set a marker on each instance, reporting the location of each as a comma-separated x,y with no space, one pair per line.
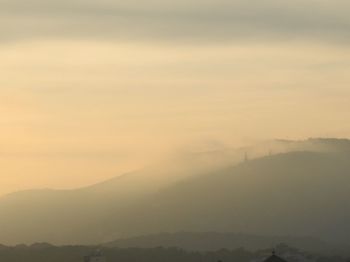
90,89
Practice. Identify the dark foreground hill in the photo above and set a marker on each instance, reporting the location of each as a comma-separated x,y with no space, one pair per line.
301,193
210,241
48,253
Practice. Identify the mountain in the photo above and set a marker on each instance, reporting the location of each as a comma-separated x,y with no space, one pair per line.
86,215
211,241
302,190
297,193
43,252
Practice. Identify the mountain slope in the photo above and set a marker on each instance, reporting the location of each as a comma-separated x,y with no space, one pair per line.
299,193
295,193
210,241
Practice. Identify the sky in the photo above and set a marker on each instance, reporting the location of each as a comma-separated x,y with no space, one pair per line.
91,89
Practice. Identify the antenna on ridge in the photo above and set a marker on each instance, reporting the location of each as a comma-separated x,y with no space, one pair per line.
246,158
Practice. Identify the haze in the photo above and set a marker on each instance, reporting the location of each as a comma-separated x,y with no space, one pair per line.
91,89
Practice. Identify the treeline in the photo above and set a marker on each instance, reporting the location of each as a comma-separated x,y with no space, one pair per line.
49,253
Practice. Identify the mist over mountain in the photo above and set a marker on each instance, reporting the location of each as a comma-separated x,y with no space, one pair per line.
283,188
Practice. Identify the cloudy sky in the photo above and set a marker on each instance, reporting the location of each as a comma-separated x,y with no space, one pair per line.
92,88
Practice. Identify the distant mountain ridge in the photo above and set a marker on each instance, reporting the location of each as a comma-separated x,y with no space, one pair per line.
302,190
211,241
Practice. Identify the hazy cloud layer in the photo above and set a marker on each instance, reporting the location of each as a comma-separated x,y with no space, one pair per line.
177,20
93,88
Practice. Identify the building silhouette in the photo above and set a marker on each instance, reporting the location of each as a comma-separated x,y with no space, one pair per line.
274,258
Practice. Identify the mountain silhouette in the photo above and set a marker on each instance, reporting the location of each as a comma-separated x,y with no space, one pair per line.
293,193
211,241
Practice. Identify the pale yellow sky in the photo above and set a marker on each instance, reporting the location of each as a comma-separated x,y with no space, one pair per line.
88,91
77,112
